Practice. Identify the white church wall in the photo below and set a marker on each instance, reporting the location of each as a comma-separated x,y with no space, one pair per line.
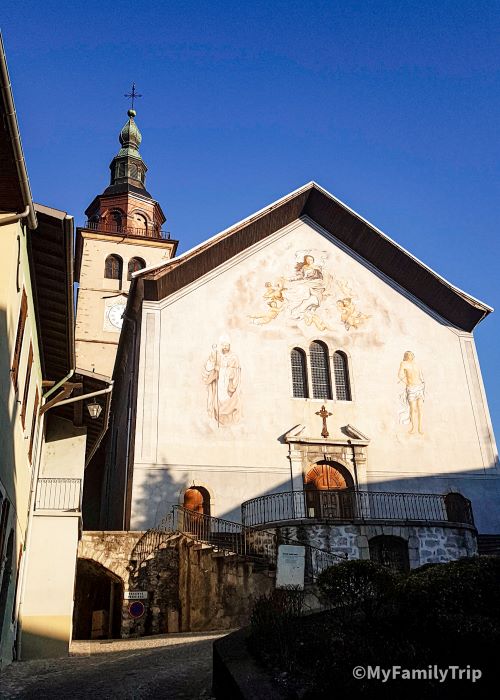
263,303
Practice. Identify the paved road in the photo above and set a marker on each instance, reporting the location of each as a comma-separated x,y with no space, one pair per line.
166,666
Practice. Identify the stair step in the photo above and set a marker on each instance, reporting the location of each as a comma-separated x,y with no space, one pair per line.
488,544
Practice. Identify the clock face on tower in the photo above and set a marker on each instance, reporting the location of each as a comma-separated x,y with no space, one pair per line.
115,315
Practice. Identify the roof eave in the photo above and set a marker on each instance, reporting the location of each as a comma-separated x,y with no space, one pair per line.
15,137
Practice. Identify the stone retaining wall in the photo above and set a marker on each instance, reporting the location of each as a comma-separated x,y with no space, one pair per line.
426,544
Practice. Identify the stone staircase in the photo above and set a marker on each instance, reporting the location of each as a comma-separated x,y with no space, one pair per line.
229,539
488,545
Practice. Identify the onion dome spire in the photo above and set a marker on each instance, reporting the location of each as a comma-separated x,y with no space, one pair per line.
127,167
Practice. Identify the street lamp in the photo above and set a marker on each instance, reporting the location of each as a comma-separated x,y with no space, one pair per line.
94,408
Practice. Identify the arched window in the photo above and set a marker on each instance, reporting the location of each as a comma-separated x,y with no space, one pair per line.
299,373
115,220
140,223
341,373
135,264
390,551
320,371
113,267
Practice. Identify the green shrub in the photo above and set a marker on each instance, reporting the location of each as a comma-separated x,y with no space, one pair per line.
471,585
274,624
357,585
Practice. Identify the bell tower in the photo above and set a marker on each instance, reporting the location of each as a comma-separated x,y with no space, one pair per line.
123,234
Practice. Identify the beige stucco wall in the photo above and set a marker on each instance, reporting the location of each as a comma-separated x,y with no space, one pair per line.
63,454
178,443
15,467
47,604
48,600
96,340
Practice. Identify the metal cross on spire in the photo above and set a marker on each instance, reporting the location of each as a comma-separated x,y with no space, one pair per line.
133,95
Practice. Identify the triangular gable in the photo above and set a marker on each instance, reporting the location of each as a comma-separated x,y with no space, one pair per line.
454,305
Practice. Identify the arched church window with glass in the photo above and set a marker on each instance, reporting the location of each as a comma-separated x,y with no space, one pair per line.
299,373
113,267
134,265
320,370
341,374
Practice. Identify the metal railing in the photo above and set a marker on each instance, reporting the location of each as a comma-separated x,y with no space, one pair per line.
230,538
149,232
58,494
346,505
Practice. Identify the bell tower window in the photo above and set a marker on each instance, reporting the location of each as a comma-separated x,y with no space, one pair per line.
113,267
134,265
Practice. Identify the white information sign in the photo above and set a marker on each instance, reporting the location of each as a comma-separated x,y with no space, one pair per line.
135,595
291,565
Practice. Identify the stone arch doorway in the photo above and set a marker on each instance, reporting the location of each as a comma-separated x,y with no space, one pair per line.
329,491
97,610
197,499
390,551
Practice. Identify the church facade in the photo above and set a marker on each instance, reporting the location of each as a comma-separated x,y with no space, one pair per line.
301,368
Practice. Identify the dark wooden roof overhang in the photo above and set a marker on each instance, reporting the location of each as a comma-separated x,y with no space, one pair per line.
455,306
15,190
11,194
51,260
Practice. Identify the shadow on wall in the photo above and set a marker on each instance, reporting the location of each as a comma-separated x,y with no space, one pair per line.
481,487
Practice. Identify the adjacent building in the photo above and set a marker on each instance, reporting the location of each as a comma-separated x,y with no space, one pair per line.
53,415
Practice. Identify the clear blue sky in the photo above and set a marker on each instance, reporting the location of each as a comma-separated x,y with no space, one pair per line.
393,106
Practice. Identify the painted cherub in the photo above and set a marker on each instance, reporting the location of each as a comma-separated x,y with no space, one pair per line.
274,299
349,315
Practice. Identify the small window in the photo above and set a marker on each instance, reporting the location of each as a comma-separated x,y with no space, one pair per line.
299,373
4,518
26,387
320,371
115,221
33,424
134,265
23,313
341,373
390,551
140,223
113,267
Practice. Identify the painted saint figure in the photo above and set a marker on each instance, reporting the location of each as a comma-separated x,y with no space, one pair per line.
413,397
222,375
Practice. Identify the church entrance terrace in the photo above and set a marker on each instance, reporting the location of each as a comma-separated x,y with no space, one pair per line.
351,505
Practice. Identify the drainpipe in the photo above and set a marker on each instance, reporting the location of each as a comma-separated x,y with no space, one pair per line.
58,385
84,396
12,218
